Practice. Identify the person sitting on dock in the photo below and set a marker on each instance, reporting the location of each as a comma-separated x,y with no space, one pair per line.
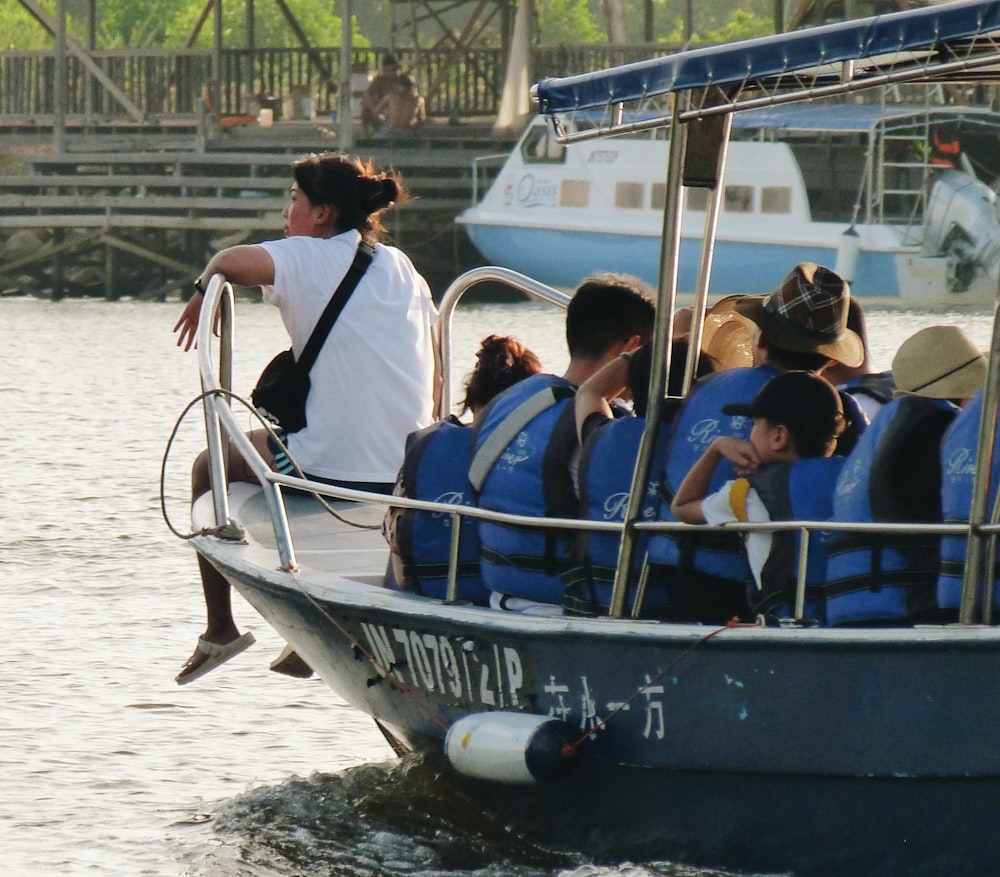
800,326
392,101
383,341
526,438
403,108
894,476
786,471
436,467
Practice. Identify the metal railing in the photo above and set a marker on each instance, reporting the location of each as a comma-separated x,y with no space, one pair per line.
223,427
167,82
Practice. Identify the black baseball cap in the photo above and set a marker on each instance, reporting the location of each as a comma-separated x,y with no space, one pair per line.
807,405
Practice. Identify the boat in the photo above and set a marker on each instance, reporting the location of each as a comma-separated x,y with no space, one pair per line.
756,747
869,189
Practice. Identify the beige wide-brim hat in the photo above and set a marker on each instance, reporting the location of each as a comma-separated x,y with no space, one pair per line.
728,335
807,313
939,362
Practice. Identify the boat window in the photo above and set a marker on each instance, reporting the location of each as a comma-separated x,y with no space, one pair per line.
697,199
738,199
776,199
574,193
628,195
658,196
538,146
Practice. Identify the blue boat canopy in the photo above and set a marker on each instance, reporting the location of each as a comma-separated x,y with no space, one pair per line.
956,39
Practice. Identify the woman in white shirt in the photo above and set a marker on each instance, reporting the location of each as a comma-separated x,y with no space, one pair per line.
374,379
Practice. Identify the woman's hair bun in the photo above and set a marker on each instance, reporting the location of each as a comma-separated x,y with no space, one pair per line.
389,190
378,192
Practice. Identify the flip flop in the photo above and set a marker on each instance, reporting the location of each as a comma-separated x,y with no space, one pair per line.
216,654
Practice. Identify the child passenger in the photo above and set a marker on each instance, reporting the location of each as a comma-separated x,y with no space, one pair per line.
796,415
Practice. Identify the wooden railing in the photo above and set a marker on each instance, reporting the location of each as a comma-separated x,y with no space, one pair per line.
169,82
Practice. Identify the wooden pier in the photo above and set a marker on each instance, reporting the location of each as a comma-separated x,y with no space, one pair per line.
137,211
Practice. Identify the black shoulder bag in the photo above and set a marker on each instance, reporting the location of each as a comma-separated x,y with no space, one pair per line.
282,388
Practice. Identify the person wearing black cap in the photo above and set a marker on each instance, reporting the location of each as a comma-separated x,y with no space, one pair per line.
797,418
800,326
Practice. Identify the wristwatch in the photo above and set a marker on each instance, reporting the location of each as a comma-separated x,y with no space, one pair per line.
198,287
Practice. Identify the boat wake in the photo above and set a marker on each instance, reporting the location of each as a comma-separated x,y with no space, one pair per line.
392,818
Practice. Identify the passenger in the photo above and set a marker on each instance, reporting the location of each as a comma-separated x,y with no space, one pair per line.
871,389
383,341
787,471
894,475
958,472
610,446
526,439
436,467
801,326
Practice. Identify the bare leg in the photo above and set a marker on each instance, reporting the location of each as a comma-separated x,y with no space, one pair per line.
220,626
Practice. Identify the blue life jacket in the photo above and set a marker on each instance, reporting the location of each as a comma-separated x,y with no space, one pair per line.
798,491
880,386
884,577
607,460
695,564
958,470
527,475
436,468
857,422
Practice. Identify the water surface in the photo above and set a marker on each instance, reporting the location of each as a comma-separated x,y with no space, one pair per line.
106,765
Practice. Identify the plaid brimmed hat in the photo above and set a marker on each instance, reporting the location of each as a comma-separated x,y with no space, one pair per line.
807,313
806,404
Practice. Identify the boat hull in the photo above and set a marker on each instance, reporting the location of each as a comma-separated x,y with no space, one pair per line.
817,751
563,257
746,699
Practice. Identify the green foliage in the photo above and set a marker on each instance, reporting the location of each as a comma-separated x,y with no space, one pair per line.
567,21
742,26
271,28
127,24
135,24
20,30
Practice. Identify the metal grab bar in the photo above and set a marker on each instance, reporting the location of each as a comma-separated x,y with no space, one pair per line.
453,295
222,428
219,419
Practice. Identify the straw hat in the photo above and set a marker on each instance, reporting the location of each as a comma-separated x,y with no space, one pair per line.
728,336
807,313
939,362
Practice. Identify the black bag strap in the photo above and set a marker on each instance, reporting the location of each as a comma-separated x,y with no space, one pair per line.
362,259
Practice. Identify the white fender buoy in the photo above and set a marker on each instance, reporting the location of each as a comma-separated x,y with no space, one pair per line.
848,250
510,747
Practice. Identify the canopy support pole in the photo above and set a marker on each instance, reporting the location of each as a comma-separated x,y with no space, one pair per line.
662,332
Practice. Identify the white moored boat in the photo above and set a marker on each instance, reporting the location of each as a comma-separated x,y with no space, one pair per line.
840,750
858,187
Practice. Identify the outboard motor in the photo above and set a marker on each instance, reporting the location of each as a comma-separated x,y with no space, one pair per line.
961,223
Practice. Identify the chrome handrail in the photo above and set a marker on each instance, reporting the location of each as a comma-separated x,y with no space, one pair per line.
453,295
222,427
496,158
219,419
